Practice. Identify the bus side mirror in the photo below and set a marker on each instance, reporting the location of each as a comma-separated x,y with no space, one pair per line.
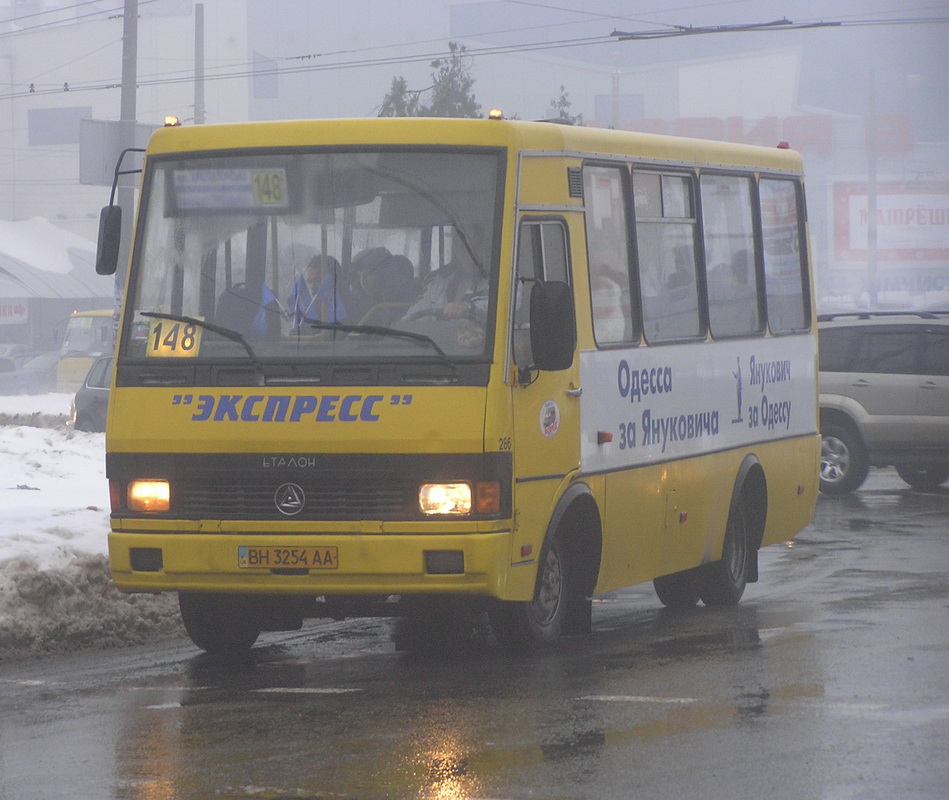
110,236
553,325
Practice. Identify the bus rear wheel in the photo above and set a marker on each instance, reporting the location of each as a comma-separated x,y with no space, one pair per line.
220,624
725,579
523,627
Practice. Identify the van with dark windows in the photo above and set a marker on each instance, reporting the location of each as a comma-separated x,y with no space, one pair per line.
884,397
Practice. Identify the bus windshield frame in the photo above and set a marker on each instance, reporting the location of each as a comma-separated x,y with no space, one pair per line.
317,257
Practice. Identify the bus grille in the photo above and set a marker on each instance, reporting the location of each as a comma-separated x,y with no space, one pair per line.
380,497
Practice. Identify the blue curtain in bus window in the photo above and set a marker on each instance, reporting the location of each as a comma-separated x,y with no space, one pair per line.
728,225
665,238
788,307
608,253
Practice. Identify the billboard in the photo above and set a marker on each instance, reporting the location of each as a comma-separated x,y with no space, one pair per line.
912,221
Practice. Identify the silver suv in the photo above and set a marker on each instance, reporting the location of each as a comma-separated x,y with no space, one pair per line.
884,397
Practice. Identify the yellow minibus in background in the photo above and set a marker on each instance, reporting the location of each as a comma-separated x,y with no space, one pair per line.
88,336
432,368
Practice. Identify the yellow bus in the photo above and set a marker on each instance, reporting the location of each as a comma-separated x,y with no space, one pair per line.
425,368
88,335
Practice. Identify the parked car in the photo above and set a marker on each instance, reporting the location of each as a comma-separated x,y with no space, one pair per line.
18,352
36,375
92,398
884,397
9,376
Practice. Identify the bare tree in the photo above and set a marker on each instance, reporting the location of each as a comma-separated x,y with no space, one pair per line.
561,106
451,90
401,101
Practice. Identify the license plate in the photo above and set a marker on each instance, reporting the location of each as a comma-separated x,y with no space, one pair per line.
287,557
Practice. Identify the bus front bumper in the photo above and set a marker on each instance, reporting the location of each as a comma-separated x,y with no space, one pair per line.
391,564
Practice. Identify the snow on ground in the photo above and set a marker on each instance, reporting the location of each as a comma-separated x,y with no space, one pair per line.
55,590
52,484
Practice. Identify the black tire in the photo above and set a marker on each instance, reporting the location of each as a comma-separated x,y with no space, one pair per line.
924,477
523,627
843,459
679,590
724,581
220,624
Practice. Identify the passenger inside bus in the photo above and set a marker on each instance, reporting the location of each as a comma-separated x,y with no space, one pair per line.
384,290
302,303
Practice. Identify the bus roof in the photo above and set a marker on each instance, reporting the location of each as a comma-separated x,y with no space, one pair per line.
512,134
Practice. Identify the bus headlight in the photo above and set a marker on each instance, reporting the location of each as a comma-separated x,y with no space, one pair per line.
445,498
458,499
152,496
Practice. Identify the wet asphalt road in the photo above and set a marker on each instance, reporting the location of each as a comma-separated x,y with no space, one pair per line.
830,681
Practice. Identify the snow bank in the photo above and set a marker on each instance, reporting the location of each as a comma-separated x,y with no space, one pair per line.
55,590
75,606
43,245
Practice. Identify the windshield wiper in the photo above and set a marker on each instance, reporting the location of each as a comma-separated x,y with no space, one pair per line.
227,333
381,330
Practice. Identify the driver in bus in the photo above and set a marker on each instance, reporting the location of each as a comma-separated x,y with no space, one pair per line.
453,291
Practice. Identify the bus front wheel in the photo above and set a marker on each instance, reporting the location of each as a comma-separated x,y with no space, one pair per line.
522,627
725,579
219,624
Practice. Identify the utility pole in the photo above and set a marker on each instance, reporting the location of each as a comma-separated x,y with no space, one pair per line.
873,279
126,188
199,110
614,100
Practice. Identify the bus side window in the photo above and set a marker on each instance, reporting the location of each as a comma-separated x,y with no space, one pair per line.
541,256
784,261
728,224
665,238
608,254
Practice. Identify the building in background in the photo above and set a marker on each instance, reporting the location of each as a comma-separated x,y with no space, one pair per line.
60,67
61,63
46,273
867,105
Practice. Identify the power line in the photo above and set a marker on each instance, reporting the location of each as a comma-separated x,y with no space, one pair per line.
762,27
385,61
112,13
20,17
593,15
689,30
614,37
106,46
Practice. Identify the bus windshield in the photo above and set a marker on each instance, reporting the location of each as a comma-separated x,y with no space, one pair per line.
88,334
345,256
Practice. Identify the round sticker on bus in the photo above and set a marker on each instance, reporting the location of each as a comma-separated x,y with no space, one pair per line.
549,419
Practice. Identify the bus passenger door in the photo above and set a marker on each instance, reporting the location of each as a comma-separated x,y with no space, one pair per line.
546,404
